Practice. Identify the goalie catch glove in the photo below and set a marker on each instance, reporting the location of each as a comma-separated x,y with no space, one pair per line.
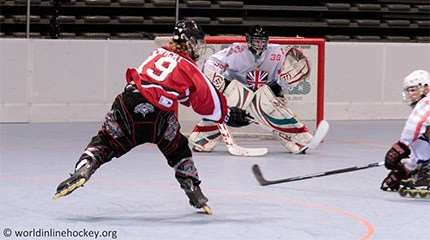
237,117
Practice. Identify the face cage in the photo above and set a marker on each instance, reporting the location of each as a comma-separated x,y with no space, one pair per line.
411,95
258,44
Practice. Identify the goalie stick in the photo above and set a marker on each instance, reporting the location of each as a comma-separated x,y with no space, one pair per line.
264,182
235,149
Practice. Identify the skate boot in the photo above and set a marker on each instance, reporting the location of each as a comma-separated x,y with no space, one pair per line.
84,169
290,145
418,184
195,195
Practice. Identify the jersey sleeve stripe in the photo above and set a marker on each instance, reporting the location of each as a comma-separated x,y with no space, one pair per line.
217,114
422,120
160,87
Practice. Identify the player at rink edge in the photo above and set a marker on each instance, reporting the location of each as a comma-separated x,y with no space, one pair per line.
254,76
409,158
146,111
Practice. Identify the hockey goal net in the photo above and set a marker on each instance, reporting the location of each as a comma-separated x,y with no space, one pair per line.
305,96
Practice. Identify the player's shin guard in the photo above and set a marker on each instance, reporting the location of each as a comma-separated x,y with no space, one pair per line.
205,136
187,176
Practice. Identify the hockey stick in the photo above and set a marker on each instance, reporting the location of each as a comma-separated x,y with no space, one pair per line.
264,182
318,137
235,149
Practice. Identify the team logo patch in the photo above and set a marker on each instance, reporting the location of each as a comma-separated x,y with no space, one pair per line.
256,79
144,108
302,88
167,102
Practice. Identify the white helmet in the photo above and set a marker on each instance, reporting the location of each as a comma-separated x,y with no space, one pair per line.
413,86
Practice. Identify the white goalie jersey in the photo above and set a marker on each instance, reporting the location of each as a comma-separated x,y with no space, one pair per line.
236,62
277,63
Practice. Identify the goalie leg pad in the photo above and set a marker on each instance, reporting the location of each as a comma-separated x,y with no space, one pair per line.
292,147
205,136
238,95
295,143
274,113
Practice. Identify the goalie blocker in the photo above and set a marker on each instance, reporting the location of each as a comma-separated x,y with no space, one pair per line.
268,110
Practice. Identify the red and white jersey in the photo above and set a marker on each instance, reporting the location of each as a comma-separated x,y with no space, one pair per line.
417,122
166,78
237,62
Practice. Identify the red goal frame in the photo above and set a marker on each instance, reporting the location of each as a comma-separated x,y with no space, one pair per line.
320,42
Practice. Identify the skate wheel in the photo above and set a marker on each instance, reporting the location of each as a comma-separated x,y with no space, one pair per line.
207,210
423,194
403,192
413,193
70,189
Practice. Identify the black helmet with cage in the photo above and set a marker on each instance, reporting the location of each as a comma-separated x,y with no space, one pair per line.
189,35
257,40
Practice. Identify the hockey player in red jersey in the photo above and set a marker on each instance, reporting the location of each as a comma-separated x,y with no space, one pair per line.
146,112
409,158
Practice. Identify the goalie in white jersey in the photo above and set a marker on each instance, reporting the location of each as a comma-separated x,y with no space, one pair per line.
254,76
408,159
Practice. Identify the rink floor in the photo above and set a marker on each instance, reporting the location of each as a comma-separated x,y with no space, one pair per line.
137,196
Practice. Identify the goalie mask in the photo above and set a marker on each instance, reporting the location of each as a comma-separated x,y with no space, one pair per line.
188,33
257,40
413,86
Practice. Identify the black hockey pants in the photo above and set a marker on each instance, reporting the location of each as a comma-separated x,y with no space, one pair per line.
132,121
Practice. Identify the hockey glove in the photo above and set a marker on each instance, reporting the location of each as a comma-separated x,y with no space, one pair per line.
396,153
276,89
392,181
237,117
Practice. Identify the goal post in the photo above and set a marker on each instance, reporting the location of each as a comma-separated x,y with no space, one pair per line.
305,94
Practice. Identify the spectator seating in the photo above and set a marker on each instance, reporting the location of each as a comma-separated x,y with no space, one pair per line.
336,20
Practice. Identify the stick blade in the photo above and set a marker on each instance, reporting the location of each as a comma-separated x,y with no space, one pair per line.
237,150
319,135
259,175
